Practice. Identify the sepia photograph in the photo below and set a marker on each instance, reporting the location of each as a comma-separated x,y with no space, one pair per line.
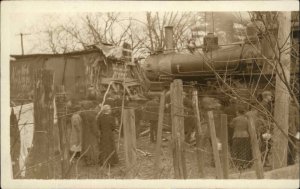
150,93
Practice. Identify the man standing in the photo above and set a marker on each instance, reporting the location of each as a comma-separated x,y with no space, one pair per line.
90,135
267,98
105,121
267,129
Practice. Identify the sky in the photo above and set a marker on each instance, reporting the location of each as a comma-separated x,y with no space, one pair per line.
33,24
25,18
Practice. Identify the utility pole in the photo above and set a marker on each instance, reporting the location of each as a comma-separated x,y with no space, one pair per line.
22,46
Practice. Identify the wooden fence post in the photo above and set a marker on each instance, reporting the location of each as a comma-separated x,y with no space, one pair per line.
214,144
159,134
40,165
177,114
255,148
199,135
224,139
129,137
60,100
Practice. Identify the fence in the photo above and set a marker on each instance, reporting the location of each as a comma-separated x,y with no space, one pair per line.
202,158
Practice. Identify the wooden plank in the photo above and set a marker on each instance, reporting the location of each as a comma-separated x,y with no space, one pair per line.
60,101
255,148
43,122
213,137
159,134
225,150
178,129
199,135
129,137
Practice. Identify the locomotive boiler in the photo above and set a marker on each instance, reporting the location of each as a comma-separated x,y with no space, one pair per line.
205,61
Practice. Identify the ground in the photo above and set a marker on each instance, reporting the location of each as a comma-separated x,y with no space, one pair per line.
144,169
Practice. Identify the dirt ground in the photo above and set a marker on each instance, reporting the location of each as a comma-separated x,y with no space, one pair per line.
144,169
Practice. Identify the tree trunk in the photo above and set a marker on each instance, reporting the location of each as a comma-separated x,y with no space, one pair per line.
281,111
148,14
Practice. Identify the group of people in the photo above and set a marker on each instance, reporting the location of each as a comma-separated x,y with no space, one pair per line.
264,125
238,127
91,129
91,135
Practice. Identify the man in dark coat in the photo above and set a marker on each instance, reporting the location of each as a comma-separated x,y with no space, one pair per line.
90,136
105,121
267,129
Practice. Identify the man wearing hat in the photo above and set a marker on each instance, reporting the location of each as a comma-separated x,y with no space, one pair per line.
267,98
266,130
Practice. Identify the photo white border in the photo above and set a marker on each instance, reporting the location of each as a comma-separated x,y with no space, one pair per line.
8,8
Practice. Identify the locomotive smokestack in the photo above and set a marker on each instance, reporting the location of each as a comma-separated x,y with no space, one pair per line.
169,39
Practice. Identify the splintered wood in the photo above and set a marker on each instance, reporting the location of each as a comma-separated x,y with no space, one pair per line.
255,148
225,150
214,143
159,134
60,101
177,112
199,135
39,158
129,137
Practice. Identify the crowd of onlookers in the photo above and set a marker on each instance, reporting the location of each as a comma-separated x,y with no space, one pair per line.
92,127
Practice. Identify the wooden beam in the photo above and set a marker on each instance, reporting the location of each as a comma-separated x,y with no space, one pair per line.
224,139
60,101
43,122
199,135
129,137
159,134
214,143
255,148
178,129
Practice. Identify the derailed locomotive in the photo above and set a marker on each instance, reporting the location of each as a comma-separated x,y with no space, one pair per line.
232,59
240,65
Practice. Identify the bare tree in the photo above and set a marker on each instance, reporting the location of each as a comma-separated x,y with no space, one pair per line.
157,21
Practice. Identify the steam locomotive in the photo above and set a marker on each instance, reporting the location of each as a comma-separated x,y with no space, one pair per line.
234,59
241,64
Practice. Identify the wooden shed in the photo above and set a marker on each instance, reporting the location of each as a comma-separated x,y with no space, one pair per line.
77,71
